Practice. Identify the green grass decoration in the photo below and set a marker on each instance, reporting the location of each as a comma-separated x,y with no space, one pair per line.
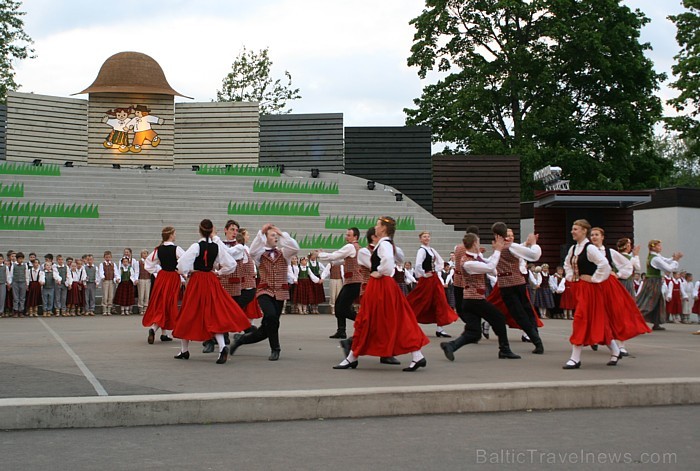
343,222
274,208
59,210
321,242
326,188
239,171
15,190
47,170
21,224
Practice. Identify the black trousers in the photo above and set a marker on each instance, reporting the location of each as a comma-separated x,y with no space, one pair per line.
459,295
270,325
518,304
473,311
245,298
343,304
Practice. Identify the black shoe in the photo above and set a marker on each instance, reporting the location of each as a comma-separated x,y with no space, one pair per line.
340,366
339,335
389,361
165,338
443,334
624,354
208,347
183,355
484,330
525,339
234,346
658,327
449,350
227,339
346,345
613,362
575,366
422,363
274,355
151,336
223,356
594,348
236,337
507,353
539,348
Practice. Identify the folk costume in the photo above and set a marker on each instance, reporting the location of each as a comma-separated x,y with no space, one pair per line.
346,257
650,299
61,288
48,290
674,299
36,281
76,294
319,293
162,307
124,295
91,274
335,274
144,287
108,279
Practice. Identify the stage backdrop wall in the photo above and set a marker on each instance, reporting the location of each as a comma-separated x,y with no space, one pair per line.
477,189
217,133
396,156
49,128
302,141
3,125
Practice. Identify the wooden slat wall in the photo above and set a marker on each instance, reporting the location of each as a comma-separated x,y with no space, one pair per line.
49,128
302,141
217,133
396,156
161,106
554,228
477,189
3,125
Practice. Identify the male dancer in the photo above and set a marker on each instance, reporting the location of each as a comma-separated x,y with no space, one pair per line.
475,307
511,282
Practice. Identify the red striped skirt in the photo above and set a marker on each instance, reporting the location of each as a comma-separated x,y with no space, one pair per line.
125,293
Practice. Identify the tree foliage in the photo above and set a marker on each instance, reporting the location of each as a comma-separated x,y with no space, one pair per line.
14,44
560,82
687,73
250,80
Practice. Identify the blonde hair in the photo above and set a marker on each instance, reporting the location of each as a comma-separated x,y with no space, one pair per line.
585,224
423,232
390,224
653,243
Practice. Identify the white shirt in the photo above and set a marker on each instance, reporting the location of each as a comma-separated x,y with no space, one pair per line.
438,262
227,264
152,262
483,266
385,251
624,265
286,244
603,267
339,256
664,264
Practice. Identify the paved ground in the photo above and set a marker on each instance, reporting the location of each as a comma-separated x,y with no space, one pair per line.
66,357
649,438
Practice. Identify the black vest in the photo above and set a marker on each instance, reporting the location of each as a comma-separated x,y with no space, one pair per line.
167,257
208,251
585,266
428,261
375,259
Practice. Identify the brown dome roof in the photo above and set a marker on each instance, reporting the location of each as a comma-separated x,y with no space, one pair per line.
131,72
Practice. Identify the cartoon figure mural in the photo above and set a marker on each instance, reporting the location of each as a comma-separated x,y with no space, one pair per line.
118,119
139,124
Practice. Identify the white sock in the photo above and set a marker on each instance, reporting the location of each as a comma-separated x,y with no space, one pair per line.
614,350
417,356
155,327
184,345
440,329
220,341
576,353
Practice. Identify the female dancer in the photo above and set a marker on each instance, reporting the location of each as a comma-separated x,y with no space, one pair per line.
385,325
207,309
625,318
162,307
428,299
586,267
650,299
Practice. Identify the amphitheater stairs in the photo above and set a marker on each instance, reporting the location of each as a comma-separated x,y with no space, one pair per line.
135,204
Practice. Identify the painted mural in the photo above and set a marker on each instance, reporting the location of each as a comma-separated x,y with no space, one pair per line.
131,128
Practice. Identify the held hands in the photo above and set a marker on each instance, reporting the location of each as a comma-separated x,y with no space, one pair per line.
677,255
498,243
375,274
635,250
531,239
587,278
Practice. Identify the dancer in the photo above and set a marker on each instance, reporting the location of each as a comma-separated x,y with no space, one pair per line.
162,307
474,304
207,310
625,249
272,250
246,269
385,326
347,256
650,298
511,283
428,299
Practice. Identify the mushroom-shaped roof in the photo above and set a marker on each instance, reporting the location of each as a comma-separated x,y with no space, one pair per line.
131,72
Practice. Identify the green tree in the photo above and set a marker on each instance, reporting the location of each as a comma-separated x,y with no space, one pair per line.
14,44
560,82
687,73
249,80
686,166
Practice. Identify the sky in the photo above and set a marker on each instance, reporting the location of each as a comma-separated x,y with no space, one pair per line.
345,56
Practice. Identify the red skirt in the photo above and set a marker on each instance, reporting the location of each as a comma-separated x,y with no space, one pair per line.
207,309
76,295
162,305
696,306
592,324
568,297
496,299
252,310
125,293
306,293
386,325
675,305
34,295
625,318
429,302
319,294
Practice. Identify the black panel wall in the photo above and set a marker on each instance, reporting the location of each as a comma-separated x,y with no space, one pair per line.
3,127
302,141
396,156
